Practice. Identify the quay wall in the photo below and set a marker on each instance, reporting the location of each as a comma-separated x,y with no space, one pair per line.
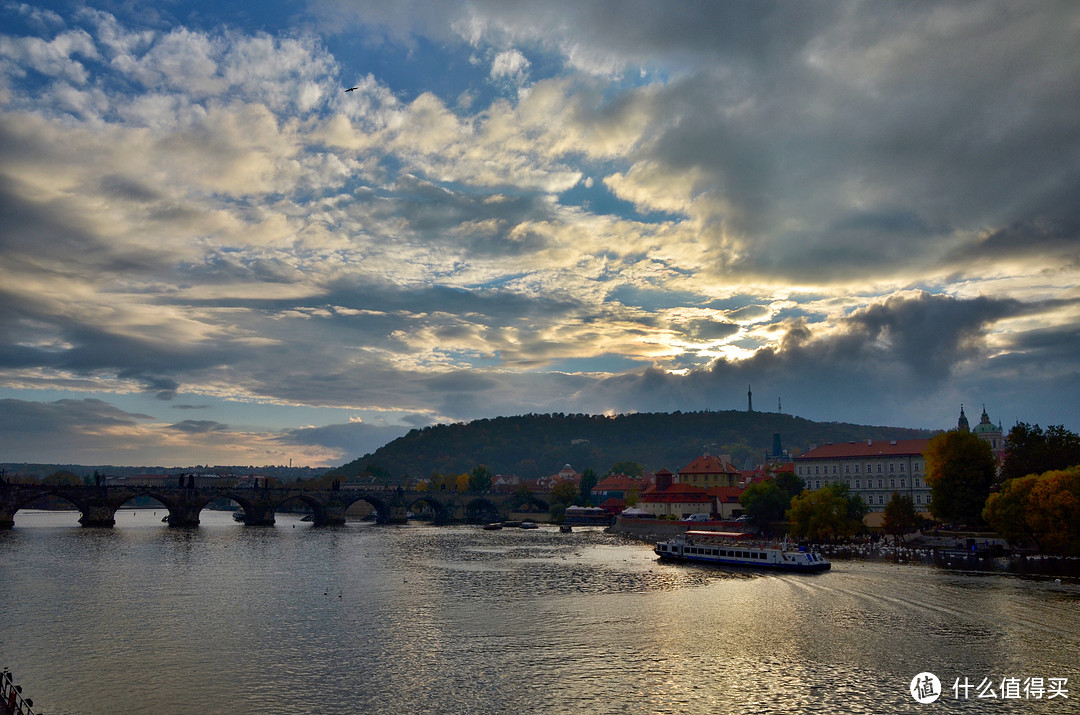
651,530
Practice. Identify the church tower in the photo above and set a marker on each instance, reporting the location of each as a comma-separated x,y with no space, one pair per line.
962,423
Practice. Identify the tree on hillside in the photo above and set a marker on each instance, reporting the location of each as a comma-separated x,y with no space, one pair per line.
900,516
630,469
960,469
1033,451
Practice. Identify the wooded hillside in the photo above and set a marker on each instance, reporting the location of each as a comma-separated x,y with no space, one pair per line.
534,445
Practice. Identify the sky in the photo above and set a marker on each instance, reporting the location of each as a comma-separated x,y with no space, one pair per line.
212,253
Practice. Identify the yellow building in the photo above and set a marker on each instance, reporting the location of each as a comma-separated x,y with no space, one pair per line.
708,471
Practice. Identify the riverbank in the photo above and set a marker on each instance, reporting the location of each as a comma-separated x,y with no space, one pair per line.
945,550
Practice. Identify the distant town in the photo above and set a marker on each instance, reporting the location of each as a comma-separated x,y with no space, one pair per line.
1022,487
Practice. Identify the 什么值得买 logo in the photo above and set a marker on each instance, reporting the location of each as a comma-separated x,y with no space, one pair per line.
925,688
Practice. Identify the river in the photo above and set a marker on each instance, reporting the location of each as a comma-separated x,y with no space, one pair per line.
225,618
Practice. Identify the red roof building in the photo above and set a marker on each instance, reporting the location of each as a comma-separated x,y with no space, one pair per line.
871,469
709,471
678,500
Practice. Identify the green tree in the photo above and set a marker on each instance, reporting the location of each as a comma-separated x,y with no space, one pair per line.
1033,451
765,502
789,483
480,479
1054,511
960,469
63,477
1006,510
564,493
826,514
589,479
900,516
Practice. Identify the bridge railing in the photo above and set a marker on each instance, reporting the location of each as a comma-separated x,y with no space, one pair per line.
11,699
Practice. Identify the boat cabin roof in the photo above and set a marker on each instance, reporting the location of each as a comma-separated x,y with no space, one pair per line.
720,534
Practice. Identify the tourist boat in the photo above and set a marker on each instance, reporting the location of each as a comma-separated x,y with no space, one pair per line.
729,548
528,525
493,526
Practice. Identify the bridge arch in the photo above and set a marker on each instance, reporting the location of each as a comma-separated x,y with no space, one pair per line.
442,515
347,498
27,500
481,509
318,509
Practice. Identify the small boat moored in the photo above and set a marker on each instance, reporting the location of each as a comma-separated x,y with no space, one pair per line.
727,548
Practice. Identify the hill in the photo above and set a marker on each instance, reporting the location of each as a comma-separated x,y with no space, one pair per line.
535,445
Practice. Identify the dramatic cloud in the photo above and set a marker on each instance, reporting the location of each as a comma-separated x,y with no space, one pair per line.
867,213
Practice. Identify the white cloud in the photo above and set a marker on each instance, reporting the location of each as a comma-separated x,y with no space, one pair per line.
54,58
512,66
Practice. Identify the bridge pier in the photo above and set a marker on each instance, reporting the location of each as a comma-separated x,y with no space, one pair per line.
184,514
332,515
397,514
258,515
98,514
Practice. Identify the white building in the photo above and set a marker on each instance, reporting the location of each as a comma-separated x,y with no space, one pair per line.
873,470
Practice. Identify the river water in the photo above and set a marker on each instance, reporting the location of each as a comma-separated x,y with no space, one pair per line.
224,618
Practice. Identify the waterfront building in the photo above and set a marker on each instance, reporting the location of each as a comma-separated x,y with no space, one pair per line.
726,502
613,491
871,469
710,471
677,500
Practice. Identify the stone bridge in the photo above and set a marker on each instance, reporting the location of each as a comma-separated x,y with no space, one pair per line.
99,504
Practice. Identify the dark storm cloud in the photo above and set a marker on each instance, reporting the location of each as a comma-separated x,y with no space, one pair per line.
881,362
471,221
711,330
199,426
460,382
60,420
354,439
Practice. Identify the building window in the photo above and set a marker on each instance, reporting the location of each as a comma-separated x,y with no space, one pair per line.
817,484
856,483
817,470
918,482
847,469
902,485
856,469
918,498
892,467
901,466
834,469
892,484
879,470
881,484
